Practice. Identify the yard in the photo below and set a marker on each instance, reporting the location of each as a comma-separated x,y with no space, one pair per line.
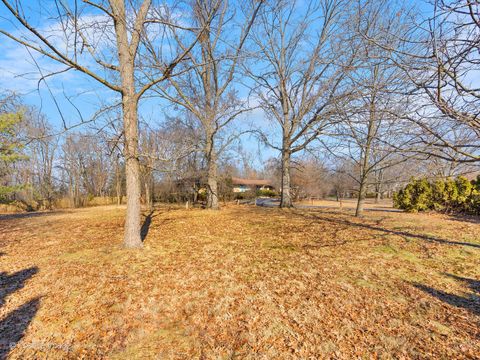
245,282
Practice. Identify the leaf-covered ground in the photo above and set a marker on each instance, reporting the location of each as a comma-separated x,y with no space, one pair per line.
248,283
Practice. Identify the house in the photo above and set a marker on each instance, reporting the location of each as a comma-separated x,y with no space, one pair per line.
244,185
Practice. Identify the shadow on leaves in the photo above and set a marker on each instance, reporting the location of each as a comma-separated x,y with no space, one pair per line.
15,323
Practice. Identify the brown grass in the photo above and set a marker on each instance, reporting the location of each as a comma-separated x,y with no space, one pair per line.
349,203
250,283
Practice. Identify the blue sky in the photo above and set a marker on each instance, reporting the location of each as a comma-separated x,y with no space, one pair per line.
20,72
70,97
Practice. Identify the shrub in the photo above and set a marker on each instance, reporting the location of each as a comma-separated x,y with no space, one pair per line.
416,196
452,195
247,195
266,193
474,202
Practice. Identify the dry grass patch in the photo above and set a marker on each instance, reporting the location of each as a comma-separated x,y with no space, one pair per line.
243,282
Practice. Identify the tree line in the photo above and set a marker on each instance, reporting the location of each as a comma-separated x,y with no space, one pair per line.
373,89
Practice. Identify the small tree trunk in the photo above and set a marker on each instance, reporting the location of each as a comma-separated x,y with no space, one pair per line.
70,192
378,186
362,191
365,164
118,185
76,194
148,195
286,198
195,194
152,191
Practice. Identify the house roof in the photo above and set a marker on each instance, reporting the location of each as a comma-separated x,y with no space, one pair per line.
472,175
260,182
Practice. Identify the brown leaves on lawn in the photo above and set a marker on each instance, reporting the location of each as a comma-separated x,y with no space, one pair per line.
244,282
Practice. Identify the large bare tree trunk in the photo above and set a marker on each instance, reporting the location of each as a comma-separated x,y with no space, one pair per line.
126,54
212,182
286,198
212,195
132,238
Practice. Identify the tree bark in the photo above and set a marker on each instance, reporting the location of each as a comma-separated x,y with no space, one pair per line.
286,197
212,183
118,185
364,172
378,196
152,191
127,50
365,168
148,192
132,238
361,197
378,186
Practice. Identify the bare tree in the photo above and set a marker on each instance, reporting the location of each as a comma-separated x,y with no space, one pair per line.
72,169
372,133
372,137
114,54
207,93
342,178
309,178
148,146
301,62
451,81
439,54
168,153
42,153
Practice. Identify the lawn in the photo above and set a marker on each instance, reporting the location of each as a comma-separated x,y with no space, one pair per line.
244,282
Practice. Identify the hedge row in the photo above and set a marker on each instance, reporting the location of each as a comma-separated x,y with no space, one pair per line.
457,195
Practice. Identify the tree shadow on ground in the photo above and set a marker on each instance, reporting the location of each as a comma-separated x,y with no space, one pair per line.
465,218
14,324
11,283
146,224
388,231
471,302
27,215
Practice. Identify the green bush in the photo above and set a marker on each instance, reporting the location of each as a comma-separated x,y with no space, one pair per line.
474,201
247,195
266,193
453,196
416,196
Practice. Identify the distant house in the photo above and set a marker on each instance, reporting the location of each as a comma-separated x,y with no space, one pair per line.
243,185
473,176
